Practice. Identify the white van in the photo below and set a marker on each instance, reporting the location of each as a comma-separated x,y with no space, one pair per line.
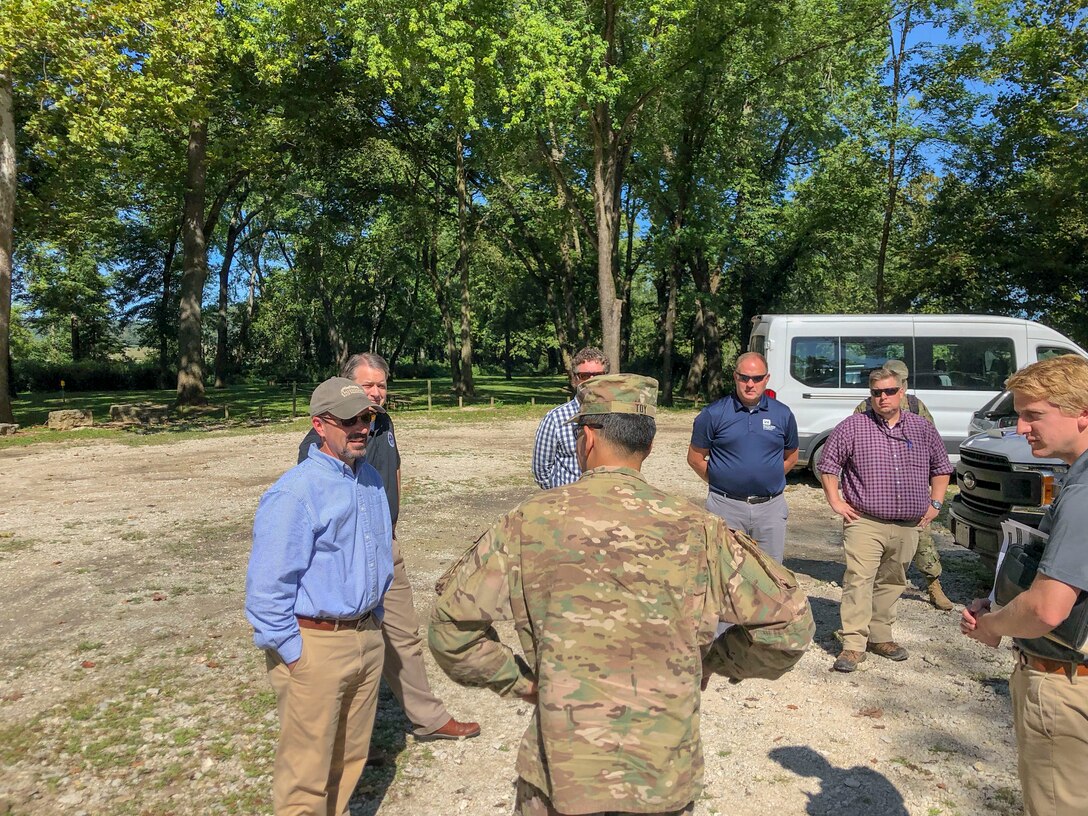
820,364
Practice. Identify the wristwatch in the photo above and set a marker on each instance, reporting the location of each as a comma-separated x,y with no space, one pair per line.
936,505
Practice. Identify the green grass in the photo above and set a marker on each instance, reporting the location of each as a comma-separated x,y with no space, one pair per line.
247,403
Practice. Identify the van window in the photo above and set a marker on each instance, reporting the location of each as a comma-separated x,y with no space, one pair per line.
815,361
963,363
862,355
758,344
1046,352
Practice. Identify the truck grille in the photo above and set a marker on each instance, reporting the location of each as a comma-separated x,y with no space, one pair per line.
970,458
989,507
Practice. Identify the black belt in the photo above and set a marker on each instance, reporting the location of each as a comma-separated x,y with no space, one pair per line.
332,624
747,499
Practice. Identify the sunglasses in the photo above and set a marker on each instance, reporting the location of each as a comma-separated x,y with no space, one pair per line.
751,378
366,418
582,376
887,392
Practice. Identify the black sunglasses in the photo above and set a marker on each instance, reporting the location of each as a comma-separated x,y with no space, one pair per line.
751,378
887,392
366,417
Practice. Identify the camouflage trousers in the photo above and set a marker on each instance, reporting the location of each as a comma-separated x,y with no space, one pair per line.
531,801
926,559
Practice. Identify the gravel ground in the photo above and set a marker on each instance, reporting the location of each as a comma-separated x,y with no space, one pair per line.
130,684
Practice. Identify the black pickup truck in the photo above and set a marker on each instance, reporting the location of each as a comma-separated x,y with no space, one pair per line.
998,479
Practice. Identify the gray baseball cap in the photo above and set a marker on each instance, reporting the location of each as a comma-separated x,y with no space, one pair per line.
342,398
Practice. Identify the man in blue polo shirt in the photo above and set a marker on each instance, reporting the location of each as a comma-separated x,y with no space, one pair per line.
743,446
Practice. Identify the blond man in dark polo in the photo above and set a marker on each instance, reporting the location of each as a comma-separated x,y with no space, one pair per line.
1049,684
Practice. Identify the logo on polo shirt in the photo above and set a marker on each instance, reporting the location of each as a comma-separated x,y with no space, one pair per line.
392,444
768,425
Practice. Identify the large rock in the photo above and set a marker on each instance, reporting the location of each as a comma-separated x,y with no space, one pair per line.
7,429
69,419
143,413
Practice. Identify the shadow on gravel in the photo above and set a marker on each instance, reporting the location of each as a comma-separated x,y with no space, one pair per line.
826,615
821,570
386,744
854,790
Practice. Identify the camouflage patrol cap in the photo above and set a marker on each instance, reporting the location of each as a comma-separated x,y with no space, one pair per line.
898,368
617,394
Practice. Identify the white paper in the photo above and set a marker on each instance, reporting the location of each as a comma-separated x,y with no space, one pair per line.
1013,532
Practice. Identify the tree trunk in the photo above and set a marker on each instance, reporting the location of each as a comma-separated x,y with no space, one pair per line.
8,184
608,166
407,324
441,296
256,246
892,193
605,177
195,275
221,351
669,342
693,386
162,312
77,344
629,269
465,387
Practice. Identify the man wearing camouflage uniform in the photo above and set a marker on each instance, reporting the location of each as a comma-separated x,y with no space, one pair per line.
926,559
616,590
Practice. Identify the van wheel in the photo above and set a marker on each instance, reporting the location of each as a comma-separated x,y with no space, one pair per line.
814,460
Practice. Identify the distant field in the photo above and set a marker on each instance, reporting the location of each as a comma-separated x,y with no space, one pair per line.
242,408
245,402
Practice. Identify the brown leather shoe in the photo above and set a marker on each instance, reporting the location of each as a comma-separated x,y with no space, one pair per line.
889,649
848,660
454,730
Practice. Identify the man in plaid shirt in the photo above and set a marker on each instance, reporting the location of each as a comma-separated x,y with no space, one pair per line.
554,460
894,473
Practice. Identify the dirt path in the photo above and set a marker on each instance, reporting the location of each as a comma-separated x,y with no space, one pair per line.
130,684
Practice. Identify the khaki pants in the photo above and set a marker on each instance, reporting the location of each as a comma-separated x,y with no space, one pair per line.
404,670
326,708
1050,713
531,801
877,555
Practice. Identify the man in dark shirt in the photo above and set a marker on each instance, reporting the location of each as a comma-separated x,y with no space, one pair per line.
1049,684
894,475
403,670
743,446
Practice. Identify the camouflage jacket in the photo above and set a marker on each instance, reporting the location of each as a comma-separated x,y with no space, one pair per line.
616,590
909,403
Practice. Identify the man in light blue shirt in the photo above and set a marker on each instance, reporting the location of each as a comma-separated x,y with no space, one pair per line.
321,561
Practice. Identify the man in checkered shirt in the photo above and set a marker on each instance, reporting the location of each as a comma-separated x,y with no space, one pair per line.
554,460
894,473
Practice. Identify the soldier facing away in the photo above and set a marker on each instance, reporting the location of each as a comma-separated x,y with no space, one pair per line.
616,590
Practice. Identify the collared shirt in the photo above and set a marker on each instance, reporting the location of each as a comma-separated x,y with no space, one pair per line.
381,452
1065,556
886,470
322,548
554,461
747,445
